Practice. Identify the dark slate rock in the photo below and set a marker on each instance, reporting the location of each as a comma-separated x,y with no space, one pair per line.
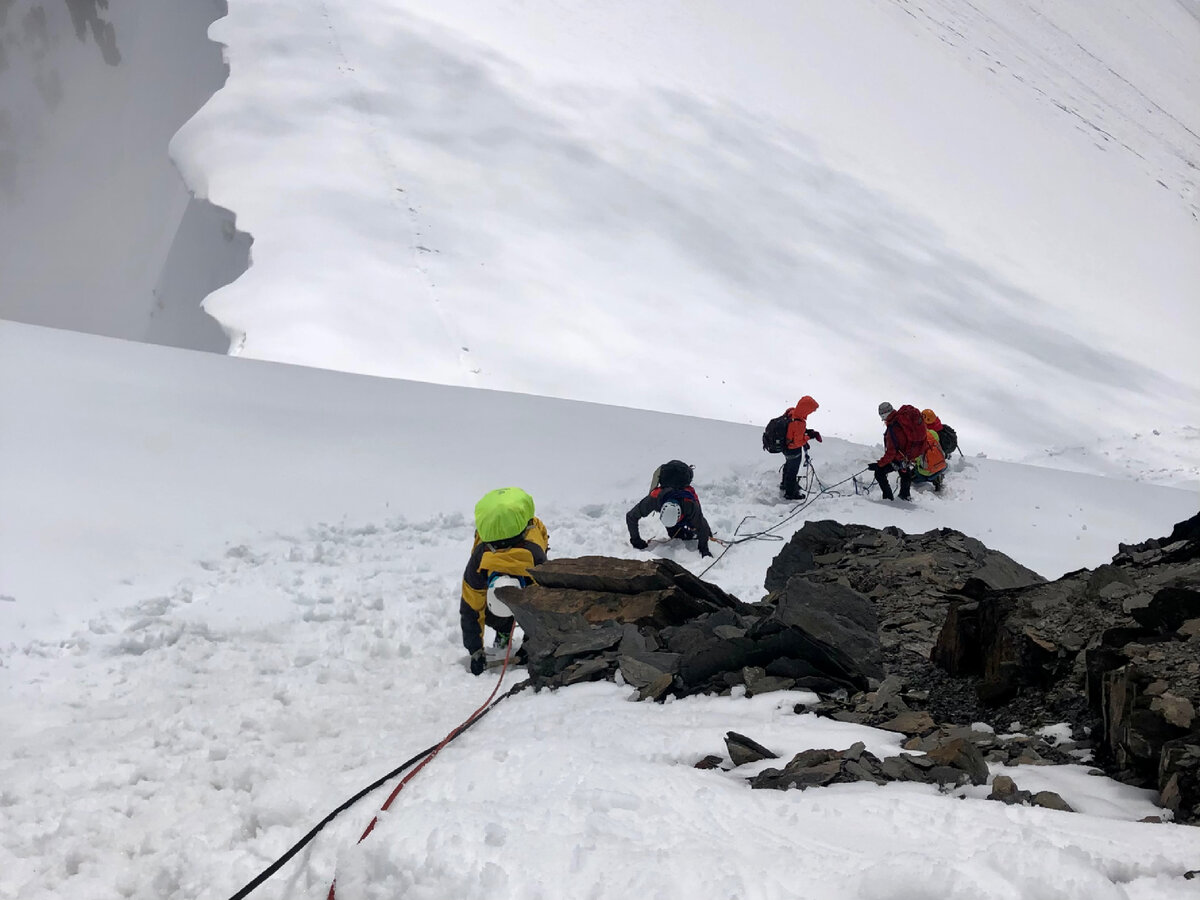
860,772
632,640
656,689
855,751
1170,608
1000,573
840,619
587,670
645,668
1051,800
787,667
948,776
1005,790
743,750
1187,530
964,755
889,696
901,768
591,641
831,665
687,639
603,574
762,683
719,656
911,723
728,632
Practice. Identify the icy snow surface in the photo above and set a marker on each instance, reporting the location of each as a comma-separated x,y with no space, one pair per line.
229,587
230,603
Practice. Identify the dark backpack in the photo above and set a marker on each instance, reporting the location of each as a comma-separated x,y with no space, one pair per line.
910,432
948,438
674,475
775,434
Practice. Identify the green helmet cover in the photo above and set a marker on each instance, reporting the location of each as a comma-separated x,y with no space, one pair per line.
503,513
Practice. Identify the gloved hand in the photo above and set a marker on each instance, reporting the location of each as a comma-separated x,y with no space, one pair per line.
705,552
478,662
638,543
873,467
815,435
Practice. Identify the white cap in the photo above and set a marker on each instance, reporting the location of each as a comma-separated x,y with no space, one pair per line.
497,607
670,514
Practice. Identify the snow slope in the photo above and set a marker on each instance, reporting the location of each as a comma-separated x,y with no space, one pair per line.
711,209
230,593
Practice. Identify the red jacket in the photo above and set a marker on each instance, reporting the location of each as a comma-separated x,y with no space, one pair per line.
891,450
796,437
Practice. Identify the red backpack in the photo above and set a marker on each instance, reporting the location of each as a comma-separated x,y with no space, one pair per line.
910,431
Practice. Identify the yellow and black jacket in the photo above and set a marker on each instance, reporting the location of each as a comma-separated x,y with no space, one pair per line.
515,556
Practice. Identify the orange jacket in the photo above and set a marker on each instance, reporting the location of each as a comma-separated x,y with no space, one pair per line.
796,438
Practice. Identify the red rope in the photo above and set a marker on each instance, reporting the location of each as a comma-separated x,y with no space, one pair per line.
436,750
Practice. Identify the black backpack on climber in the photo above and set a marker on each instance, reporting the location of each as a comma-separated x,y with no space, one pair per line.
948,438
775,434
675,474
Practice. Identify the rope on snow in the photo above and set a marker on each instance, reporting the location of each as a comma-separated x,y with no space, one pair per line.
767,533
423,757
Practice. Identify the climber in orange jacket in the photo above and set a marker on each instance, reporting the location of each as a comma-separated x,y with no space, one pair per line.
798,434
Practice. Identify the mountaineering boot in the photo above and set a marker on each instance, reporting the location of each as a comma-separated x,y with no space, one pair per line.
937,484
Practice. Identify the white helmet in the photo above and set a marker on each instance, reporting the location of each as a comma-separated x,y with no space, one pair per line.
670,514
494,604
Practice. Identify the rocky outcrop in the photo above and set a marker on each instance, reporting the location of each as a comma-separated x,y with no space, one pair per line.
920,634
661,629
1123,638
910,579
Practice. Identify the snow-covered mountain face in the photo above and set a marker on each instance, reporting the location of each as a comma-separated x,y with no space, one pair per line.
712,209
987,209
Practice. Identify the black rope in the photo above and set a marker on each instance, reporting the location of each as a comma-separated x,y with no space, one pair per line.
299,845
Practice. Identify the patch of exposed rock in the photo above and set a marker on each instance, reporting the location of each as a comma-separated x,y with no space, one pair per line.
1124,639
860,616
909,578
666,631
913,581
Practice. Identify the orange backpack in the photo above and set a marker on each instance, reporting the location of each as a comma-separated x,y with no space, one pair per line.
933,460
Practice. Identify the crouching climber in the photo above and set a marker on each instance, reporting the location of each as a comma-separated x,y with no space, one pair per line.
509,541
904,439
931,465
677,504
947,436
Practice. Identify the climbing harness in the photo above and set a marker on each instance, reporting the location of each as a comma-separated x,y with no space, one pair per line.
419,760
